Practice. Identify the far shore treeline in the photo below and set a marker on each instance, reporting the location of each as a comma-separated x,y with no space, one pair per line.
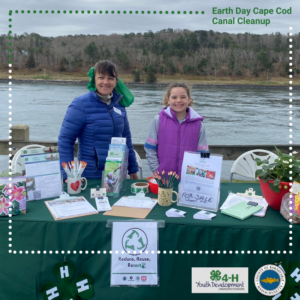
169,51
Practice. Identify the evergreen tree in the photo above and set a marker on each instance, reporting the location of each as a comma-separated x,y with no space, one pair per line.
151,77
137,77
30,62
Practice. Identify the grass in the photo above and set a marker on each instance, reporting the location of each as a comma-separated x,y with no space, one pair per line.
31,74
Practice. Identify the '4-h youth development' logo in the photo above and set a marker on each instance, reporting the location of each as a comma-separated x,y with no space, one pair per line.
67,289
134,239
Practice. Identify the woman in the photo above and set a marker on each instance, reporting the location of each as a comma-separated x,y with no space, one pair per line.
94,118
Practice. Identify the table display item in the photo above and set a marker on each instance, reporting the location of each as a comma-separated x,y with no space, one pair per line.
204,215
116,165
234,199
137,207
175,213
241,210
153,186
291,205
200,181
75,185
98,192
102,204
165,196
12,196
138,201
134,267
43,176
140,187
74,169
66,207
274,199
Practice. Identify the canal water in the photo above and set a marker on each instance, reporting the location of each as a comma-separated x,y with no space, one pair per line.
233,116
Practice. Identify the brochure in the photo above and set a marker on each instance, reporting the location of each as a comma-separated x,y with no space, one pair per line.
43,177
204,215
102,204
175,213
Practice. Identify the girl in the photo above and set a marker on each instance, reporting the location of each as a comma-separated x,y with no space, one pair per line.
177,128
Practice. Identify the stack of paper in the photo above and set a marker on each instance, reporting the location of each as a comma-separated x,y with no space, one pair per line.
175,213
102,204
204,215
234,199
242,210
136,202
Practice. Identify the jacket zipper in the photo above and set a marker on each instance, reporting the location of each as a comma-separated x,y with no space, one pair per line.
178,149
97,165
113,121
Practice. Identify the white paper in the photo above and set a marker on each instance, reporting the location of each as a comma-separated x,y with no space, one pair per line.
136,203
76,206
175,213
204,215
234,199
102,204
43,177
128,265
200,181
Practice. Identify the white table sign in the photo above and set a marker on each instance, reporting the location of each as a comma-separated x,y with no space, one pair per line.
134,266
200,181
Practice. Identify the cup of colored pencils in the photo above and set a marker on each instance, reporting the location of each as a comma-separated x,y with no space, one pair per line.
165,187
166,182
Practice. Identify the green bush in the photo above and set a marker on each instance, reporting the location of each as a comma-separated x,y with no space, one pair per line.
239,73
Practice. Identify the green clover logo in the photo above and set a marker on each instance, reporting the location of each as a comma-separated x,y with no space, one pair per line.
81,288
215,275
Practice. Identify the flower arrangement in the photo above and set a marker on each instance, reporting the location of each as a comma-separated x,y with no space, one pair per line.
286,168
166,182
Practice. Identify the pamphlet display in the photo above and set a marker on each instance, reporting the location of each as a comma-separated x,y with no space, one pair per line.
12,196
200,181
67,207
116,165
43,176
132,261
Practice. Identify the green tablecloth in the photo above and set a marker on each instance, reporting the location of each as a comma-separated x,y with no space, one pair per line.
22,275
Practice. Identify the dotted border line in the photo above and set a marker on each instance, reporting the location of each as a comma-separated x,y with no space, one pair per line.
104,252
150,252
291,124
110,12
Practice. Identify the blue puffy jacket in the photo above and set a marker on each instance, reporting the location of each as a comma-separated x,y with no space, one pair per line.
94,124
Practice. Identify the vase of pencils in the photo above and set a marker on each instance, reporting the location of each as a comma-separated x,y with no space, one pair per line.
165,187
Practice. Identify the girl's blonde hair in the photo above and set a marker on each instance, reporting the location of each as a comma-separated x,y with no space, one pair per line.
175,85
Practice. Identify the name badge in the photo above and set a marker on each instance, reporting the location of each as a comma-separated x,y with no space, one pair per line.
118,111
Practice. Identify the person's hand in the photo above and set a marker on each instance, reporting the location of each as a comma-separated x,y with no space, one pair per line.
134,176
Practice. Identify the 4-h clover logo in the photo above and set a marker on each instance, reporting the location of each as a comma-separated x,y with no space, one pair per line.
215,275
80,288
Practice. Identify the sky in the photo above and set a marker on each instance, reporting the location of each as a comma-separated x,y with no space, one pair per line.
65,24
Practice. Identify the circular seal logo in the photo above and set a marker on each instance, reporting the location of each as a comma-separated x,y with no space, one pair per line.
269,280
134,239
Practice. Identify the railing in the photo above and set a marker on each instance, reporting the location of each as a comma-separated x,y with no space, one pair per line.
20,138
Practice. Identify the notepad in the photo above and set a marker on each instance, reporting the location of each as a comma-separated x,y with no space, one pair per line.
241,210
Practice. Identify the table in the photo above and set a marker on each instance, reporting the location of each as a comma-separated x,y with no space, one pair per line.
22,274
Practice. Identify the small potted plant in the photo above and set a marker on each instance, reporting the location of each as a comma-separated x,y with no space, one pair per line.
275,178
